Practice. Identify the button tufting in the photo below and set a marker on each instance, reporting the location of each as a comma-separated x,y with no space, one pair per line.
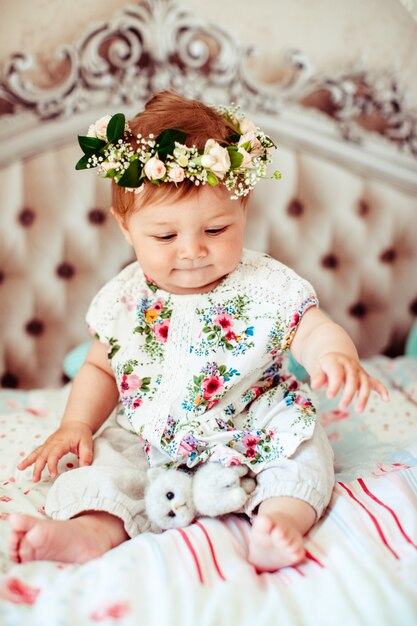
358,310
26,217
413,307
1,277
363,208
9,380
295,208
97,216
35,327
330,261
388,256
65,270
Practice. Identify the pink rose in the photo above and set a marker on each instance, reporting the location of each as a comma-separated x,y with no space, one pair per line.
176,174
161,331
250,440
99,128
224,320
247,126
130,383
158,305
254,148
233,461
212,385
154,169
247,159
185,448
215,158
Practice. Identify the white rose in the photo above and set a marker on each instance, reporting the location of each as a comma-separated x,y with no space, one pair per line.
99,128
215,158
255,147
176,174
247,126
154,169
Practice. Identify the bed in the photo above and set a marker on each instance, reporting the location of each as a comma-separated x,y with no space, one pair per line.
344,216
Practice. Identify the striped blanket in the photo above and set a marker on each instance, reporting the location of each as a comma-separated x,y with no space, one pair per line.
361,561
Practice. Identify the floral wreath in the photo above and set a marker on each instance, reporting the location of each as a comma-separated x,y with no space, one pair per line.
238,164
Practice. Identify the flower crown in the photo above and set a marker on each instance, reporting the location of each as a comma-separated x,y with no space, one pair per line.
238,164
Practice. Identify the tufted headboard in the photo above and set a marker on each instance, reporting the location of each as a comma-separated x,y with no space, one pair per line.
344,214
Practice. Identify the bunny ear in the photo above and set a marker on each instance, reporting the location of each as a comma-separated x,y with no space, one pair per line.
154,472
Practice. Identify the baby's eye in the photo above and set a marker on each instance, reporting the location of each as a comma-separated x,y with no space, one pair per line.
164,237
215,231
169,495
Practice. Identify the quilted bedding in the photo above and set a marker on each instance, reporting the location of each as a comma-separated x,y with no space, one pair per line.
361,563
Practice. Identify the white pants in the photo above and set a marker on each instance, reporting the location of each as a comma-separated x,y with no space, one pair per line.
115,481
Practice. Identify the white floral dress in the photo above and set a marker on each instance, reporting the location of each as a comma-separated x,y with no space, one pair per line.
203,375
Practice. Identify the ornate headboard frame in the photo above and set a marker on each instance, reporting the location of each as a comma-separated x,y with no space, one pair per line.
157,45
354,119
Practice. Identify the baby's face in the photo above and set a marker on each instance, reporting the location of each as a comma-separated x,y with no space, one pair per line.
189,245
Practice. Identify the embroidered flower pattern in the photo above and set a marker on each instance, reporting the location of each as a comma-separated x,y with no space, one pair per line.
226,326
257,446
132,388
153,323
207,388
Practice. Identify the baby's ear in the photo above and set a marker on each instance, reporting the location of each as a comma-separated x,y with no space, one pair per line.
154,472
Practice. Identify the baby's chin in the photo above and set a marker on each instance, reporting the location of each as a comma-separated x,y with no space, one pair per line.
192,284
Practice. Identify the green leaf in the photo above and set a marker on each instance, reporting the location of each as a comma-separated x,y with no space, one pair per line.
132,175
90,145
236,159
277,174
116,128
212,179
82,163
229,346
166,141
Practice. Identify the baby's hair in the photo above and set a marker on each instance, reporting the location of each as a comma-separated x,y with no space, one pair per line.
169,110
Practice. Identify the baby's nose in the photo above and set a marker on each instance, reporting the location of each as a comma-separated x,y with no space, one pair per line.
192,249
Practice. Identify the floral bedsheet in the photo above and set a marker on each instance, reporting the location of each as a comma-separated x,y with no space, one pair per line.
361,558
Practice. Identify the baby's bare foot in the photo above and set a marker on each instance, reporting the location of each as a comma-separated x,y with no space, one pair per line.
77,540
275,542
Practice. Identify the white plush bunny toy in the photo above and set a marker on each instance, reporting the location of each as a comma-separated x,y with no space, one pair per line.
174,498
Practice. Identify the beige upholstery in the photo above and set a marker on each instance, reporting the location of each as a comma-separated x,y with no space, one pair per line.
353,238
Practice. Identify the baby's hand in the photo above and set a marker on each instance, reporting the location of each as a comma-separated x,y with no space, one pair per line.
72,436
337,371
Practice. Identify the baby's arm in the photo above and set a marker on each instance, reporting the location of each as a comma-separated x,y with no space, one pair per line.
328,354
93,396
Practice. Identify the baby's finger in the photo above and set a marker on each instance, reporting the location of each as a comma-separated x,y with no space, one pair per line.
335,377
352,380
364,391
85,452
318,379
380,388
53,457
29,460
39,466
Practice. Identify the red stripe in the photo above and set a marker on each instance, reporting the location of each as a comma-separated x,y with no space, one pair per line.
213,554
373,518
294,567
191,549
394,515
313,558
